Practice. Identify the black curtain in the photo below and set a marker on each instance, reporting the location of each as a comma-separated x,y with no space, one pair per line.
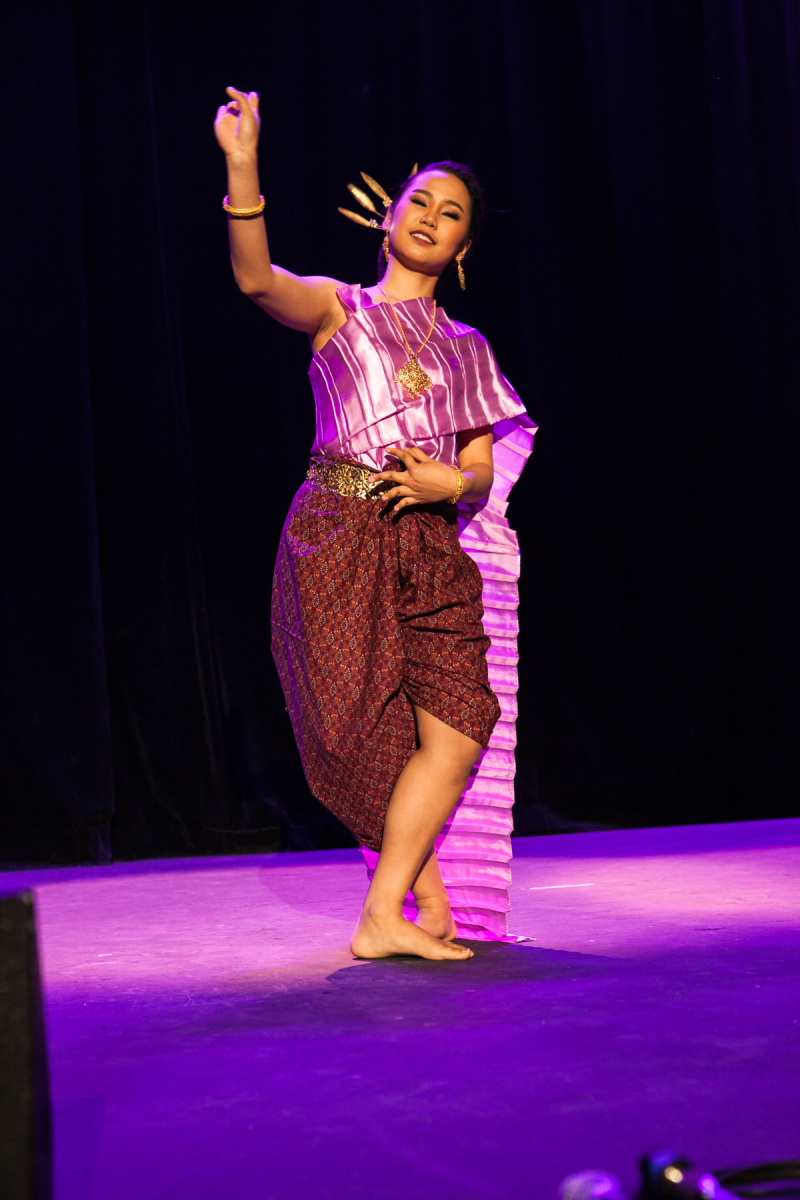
638,279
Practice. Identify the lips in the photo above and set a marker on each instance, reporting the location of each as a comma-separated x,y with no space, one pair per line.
425,238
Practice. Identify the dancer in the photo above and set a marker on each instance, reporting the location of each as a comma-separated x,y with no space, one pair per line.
377,614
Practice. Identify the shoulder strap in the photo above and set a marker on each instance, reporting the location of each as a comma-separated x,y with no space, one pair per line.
350,297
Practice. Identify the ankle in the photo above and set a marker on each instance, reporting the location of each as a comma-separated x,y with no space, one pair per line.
434,900
382,910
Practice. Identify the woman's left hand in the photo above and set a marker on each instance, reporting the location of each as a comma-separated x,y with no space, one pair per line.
424,481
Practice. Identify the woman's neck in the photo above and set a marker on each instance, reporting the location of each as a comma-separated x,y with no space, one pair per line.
399,283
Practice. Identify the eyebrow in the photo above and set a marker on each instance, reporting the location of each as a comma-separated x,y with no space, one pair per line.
427,193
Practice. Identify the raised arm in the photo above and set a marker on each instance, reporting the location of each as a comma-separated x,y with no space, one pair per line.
307,302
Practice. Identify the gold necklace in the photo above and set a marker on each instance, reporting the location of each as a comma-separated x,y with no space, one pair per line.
411,378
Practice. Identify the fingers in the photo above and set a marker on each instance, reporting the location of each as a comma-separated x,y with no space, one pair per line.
389,477
395,492
397,452
242,102
413,452
251,98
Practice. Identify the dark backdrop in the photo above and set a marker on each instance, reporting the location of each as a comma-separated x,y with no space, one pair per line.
638,279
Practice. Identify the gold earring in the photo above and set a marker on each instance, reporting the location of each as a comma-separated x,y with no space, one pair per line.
386,247
461,273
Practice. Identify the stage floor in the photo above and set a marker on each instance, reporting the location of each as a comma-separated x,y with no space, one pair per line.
211,1036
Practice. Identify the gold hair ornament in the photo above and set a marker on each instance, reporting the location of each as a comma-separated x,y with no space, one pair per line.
366,202
380,192
362,197
359,220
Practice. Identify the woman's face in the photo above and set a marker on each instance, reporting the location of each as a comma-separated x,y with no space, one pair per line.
429,223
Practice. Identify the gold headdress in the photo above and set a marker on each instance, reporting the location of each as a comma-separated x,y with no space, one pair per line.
366,201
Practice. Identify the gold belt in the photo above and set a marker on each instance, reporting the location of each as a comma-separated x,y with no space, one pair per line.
346,478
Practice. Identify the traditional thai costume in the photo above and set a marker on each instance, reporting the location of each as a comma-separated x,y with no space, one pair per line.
374,612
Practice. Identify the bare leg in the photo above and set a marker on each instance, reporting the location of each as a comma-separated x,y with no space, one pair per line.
423,798
433,903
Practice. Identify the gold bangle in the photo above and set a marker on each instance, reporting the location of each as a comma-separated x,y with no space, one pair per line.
244,212
459,487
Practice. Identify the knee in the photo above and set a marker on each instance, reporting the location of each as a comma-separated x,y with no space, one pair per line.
468,761
454,757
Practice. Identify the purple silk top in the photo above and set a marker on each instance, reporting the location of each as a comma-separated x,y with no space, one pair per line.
361,410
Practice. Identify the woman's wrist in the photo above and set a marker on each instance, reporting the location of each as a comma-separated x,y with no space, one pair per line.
241,162
459,488
477,484
243,185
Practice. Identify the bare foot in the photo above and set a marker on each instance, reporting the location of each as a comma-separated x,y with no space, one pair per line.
434,916
381,936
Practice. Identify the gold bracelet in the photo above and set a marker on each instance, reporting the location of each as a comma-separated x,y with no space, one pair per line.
459,487
244,212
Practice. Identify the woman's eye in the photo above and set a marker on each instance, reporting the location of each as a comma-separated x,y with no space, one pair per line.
421,203
453,216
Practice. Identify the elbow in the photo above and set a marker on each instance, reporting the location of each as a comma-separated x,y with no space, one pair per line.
253,284
257,293
250,288
485,480
479,480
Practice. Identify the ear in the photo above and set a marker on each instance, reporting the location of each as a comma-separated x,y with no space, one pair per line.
387,220
463,251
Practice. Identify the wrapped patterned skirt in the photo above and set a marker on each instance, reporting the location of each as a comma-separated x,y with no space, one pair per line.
373,613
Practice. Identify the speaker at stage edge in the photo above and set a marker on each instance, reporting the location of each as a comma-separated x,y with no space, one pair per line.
25,1145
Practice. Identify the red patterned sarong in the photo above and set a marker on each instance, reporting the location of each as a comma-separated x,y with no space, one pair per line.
371,614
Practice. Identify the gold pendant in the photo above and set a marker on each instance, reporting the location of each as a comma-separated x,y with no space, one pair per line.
412,379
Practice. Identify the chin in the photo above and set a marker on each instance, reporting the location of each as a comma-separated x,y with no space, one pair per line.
418,252
420,260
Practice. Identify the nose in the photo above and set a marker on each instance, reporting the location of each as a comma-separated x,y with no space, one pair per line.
429,219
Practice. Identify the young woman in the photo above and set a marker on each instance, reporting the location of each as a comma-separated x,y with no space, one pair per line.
377,613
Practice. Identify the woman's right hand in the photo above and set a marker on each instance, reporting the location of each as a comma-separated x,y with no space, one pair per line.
237,125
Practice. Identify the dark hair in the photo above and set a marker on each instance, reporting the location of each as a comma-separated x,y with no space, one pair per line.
477,203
